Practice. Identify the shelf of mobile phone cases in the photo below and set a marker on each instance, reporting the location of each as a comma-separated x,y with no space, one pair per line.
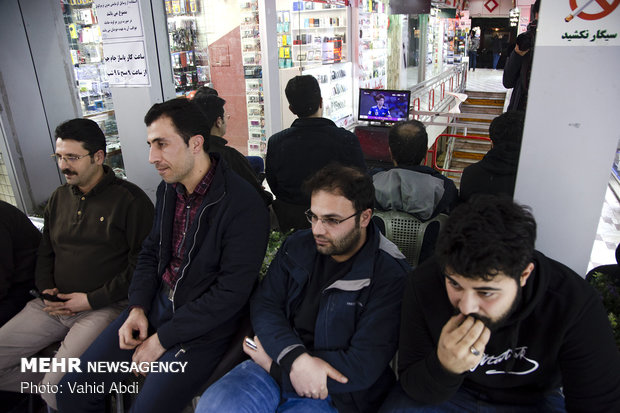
93,88
189,50
372,48
311,33
336,84
253,73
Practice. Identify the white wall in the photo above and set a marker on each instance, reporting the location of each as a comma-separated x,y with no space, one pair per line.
570,137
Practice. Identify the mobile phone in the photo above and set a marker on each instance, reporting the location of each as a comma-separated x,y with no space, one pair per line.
250,343
45,296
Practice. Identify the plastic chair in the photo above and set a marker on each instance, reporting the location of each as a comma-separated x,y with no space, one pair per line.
408,232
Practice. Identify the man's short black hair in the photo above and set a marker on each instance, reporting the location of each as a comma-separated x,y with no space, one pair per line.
304,95
212,106
186,117
488,234
408,142
352,183
82,130
379,97
205,91
507,129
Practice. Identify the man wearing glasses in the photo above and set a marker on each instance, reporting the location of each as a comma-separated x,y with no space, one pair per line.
326,315
94,227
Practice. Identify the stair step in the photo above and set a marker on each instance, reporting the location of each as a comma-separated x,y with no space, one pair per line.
472,146
481,109
461,164
456,155
485,102
495,95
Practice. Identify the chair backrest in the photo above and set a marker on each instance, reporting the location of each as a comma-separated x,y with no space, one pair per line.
407,232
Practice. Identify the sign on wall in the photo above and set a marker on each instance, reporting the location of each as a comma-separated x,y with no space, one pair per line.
580,23
123,43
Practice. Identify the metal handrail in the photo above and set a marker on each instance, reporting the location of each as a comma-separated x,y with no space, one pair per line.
433,149
432,92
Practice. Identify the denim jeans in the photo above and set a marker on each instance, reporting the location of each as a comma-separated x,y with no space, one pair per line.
495,60
465,401
248,388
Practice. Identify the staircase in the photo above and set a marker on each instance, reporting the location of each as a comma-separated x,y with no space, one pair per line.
468,151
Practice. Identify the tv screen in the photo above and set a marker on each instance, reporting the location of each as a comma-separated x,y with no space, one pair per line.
384,105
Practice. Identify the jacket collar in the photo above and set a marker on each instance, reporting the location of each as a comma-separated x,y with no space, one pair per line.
217,141
312,122
303,254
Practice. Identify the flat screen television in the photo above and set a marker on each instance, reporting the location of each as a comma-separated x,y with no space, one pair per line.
384,105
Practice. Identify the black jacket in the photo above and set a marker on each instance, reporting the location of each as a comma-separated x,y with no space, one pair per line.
296,153
224,250
238,163
558,336
496,173
19,240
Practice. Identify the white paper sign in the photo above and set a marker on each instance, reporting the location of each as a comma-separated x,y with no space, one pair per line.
125,64
579,23
119,19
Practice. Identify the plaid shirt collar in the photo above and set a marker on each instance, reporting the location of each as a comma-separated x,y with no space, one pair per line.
204,184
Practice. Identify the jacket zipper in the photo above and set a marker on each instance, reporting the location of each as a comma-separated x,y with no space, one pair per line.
189,254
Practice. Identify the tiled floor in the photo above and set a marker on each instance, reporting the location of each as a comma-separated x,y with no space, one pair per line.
608,232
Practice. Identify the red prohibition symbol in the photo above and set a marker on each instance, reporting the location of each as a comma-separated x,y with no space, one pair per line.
606,5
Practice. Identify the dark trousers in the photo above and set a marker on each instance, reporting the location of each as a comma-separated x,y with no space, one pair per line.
15,300
472,59
160,392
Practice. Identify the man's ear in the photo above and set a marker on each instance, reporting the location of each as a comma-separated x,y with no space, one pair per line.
525,275
365,217
196,142
99,157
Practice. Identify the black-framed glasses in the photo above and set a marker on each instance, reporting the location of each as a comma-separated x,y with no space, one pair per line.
328,222
69,158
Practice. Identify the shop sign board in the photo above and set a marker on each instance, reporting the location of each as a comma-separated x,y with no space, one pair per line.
579,23
124,48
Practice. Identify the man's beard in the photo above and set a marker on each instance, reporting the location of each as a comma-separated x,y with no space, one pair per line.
494,325
343,245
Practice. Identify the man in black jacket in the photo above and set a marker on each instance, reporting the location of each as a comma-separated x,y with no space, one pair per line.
194,275
298,152
496,173
490,321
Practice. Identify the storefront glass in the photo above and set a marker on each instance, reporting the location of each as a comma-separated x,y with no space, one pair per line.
86,50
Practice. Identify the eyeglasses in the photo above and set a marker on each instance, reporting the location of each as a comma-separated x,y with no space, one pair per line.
328,222
70,158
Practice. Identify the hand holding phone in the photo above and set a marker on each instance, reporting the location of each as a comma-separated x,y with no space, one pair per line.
251,344
45,296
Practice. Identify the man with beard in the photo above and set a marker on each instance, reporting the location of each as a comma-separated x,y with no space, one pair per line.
492,322
94,226
326,315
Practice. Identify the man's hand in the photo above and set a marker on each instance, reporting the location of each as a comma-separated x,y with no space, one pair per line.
150,350
136,323
519,51
458,337
76,302
309,376
259,356
54,307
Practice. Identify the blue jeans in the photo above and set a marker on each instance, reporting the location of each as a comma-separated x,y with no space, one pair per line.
472,59
248,388
495,60
161,392
465,401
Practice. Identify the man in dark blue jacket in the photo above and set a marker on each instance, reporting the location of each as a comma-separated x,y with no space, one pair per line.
194,274
298,152
326,315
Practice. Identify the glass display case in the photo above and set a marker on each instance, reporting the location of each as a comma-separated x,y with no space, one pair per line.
93,89
372,48
253,73
311,33
188,45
